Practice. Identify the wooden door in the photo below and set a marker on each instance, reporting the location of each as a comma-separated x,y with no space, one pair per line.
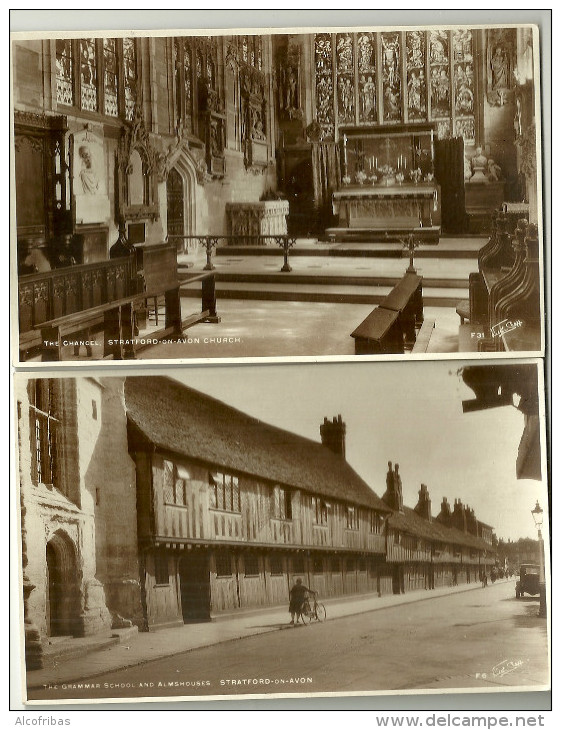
194,575
176,203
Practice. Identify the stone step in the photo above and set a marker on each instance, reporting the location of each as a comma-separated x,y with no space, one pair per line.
296,279
62,648
465,248
332,293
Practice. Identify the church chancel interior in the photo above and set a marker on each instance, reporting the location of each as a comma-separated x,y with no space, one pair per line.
328,193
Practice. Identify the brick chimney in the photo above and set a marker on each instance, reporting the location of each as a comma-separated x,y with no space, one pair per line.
393,496
333,435
471,522
445,515
423,508
459,516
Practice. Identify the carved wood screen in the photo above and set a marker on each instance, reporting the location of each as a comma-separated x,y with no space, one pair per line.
396,77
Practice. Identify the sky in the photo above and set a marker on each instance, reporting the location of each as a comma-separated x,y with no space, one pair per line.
395,412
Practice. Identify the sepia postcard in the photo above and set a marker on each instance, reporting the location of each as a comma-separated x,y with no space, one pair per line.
283,530
191,195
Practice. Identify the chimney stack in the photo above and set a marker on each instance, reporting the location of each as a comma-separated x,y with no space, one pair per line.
423,508
471,522
333,435
445,515
459,516
393,496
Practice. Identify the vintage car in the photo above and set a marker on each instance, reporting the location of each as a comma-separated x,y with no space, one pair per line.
529,581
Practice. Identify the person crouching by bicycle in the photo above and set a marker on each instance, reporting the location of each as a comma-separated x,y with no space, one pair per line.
298,594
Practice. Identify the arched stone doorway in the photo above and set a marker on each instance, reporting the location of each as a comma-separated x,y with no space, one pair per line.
62,592
181,184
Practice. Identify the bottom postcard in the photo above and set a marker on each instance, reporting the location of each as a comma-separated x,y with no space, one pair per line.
284,530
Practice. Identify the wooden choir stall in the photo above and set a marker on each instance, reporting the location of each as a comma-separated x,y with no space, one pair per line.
504,294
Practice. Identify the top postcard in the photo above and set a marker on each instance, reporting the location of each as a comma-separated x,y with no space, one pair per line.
338,192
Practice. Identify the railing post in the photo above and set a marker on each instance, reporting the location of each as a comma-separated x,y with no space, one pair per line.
208,299
287,243
210,242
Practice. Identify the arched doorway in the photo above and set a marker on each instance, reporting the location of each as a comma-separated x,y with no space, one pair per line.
176,205
62,599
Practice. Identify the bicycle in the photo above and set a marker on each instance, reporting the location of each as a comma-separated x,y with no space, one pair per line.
316,611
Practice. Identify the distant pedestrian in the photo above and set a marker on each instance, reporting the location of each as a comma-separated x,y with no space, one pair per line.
484,580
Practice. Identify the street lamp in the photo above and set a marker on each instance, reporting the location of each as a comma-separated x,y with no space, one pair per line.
537,514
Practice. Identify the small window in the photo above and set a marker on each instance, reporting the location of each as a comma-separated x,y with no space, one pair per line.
335,565
318,566
298,564
224,492
251,564
94,410
350,565
352,518
282,503
361,564
276,563
319,511
376,523
161,569
223,565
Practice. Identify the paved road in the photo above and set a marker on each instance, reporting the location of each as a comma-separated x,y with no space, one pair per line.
483,638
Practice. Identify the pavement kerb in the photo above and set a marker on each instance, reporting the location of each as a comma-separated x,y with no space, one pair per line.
80,673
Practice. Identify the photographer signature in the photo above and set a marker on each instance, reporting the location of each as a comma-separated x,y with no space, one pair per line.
506,666
506,325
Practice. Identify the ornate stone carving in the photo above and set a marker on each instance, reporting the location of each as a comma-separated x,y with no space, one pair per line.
254,117
501,50
135,138
526,144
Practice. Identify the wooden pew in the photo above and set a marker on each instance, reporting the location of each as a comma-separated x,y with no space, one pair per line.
392,326
406,298
379,334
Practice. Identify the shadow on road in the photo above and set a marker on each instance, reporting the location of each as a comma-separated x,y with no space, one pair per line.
274,626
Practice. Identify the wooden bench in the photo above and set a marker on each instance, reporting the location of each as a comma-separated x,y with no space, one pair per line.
393,324
379,334
119,326
406,298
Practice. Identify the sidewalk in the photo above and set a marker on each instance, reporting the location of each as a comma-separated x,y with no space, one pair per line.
145,647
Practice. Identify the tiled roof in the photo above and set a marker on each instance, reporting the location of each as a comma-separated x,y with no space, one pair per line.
410,522
184,421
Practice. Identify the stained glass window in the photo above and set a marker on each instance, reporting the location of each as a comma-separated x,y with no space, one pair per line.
324,84
111,84
391,77
64,72
345,79
88,74
130,76
439,74
366,51
416,79
462,44
420,76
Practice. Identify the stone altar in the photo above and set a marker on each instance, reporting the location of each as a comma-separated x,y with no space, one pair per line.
388,208
247,221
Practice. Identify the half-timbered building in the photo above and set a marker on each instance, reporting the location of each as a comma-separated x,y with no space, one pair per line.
148,503
423,552
231,510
